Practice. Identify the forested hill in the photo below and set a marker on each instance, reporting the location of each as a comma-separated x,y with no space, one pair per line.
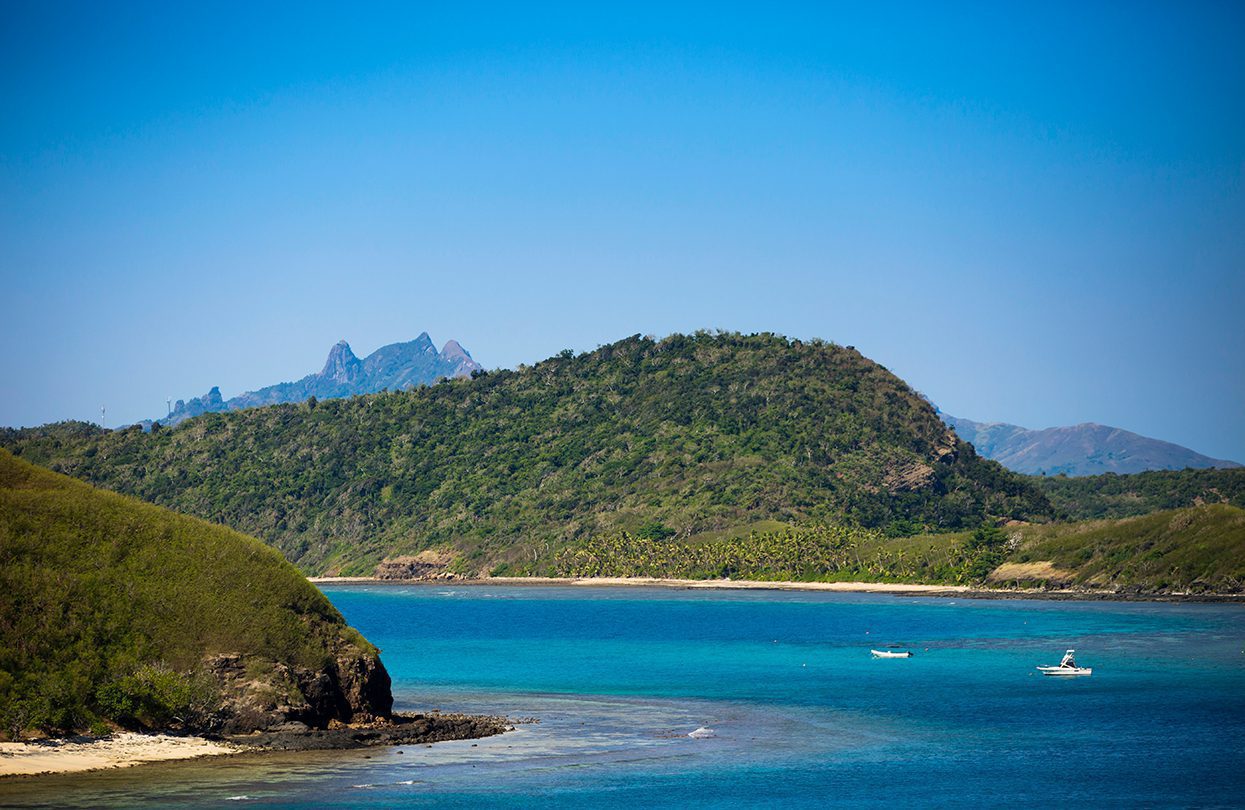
1120,496
688,434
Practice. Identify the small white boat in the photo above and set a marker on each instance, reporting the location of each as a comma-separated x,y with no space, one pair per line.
1066,667
890,654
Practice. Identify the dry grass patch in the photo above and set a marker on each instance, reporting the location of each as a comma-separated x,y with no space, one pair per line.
1040,571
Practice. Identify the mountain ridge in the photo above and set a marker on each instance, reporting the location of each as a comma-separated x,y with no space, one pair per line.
1077,450
394,366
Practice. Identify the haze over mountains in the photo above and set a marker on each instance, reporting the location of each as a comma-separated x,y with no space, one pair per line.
395,367
1086,449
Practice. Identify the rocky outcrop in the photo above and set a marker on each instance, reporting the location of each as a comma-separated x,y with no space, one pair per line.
909,477
341,367
257,695
429,564
417,729
211,402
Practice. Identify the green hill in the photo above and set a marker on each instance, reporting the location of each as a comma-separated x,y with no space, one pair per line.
690,434
116,610
1118,496
1199,549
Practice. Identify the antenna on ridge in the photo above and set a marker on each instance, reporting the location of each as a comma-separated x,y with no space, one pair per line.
102,421
169,402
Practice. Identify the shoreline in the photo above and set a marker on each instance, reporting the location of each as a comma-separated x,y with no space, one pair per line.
893,588
127,749
121,750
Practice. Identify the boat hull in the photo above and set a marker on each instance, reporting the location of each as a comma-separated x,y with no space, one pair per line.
887,654
1066,672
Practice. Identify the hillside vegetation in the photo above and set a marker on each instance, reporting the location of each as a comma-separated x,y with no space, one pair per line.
1117,496
1198,549
110,610
698,433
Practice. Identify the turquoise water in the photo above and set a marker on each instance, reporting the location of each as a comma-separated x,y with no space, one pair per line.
802,714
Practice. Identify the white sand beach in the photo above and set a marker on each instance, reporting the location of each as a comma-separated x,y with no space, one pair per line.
121,750
738,584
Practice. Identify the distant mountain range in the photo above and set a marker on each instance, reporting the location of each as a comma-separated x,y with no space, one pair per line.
394,367
1087,449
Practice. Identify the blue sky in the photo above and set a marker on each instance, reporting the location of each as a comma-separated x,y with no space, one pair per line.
1032,214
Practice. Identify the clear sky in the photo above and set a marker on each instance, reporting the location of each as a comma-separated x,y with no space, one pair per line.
1033,213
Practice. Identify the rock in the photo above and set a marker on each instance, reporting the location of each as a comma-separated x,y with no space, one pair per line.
397,730
425,565
909,477
263,695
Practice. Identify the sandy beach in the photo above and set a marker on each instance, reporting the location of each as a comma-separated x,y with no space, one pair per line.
729,584
898,588
121,750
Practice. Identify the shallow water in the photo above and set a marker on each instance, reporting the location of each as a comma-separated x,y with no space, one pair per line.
802,714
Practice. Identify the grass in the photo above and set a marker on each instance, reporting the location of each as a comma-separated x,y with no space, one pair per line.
1198,549
97,588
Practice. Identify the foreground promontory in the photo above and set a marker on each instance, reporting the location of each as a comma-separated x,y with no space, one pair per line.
119,615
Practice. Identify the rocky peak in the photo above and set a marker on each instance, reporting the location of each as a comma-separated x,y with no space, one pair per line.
454,354
453,350
396,367
342,366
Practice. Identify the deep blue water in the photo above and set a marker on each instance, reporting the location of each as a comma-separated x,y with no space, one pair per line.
803,715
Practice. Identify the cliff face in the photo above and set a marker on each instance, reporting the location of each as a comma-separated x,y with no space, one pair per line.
260,695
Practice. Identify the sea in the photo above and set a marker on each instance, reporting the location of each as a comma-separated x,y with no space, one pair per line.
791,707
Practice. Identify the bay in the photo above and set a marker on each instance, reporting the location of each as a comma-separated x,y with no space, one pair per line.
801,714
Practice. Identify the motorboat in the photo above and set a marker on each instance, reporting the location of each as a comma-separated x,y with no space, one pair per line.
891,653
1066,667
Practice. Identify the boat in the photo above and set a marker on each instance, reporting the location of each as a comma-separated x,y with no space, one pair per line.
891,654
1067,666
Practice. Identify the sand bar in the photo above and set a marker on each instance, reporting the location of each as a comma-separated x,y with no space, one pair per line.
121,750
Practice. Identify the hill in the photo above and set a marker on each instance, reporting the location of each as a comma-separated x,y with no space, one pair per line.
117,611
1087,449
1199,549
689,434
1118,496
395,366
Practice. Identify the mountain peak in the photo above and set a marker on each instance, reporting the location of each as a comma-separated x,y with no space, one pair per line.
1088,448
341,366
453,350
396,367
